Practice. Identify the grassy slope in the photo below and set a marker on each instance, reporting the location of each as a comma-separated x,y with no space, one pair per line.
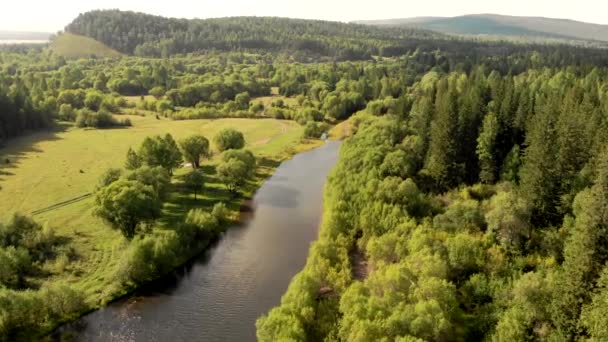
50,167
74,46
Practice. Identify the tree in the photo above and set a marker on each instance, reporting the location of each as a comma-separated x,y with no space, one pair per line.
595,314
242,100
485,148
108,177
585,252
236,168
160,151
539,177
133,162
229,138
126,205
441,159
195,181
233,173
509,219
194,148
66,112
93,100
156,177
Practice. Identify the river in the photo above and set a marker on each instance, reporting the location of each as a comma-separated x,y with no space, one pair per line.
219,295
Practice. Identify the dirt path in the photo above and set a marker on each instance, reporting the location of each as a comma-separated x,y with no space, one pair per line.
265,141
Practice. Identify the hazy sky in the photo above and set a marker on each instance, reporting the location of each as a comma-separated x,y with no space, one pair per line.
53,15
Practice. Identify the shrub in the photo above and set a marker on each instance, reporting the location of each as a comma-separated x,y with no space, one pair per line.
102,119
205,223
228,139
66,112
14,264
149,257
314,130
220,212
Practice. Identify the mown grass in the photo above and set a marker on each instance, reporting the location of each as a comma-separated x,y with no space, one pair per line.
46,168
75,46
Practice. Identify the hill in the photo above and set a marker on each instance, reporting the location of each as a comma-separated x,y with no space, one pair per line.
148,35
502,25
76,46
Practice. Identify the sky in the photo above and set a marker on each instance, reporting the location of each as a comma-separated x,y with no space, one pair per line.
52,16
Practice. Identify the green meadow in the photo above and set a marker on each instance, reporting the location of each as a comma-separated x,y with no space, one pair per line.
49,174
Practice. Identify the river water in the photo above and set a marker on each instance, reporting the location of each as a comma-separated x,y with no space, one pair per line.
219,295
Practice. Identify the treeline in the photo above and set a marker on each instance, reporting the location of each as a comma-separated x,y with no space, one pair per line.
148,35
474,212
20,112
303,40
39,86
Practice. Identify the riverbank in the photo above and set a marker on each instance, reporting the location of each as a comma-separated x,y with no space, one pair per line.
265,168
218,294
69,161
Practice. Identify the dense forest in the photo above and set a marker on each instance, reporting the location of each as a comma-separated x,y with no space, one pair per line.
467,205
478,205
303,40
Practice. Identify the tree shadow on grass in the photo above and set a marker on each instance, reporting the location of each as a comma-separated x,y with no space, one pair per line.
13,150
181,199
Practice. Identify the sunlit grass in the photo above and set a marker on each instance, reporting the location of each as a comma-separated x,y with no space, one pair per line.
54,166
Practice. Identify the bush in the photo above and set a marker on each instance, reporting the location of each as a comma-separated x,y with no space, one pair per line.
15,263
228,139
24,232
220,212
307,115
205,223
66,112
23,313
149,257
102,119
314,130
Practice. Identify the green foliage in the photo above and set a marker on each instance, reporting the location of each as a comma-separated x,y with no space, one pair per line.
126,205
160,151
22,312
133,162
509,219
228,139
195,181
194,148
485,148
314,130
236,168
595,315
15,263
108,177
102,119
156,177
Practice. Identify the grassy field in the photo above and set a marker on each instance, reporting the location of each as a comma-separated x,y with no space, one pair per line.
268,100
48,168
74,46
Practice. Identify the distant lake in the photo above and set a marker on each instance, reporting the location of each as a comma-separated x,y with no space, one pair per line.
17,41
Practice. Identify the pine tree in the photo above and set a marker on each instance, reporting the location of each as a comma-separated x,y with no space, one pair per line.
539,172
441,158
485,148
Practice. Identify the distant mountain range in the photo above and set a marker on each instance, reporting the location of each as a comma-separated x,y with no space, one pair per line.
21,35
502,25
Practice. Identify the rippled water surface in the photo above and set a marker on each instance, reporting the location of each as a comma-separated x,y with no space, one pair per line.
218,296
